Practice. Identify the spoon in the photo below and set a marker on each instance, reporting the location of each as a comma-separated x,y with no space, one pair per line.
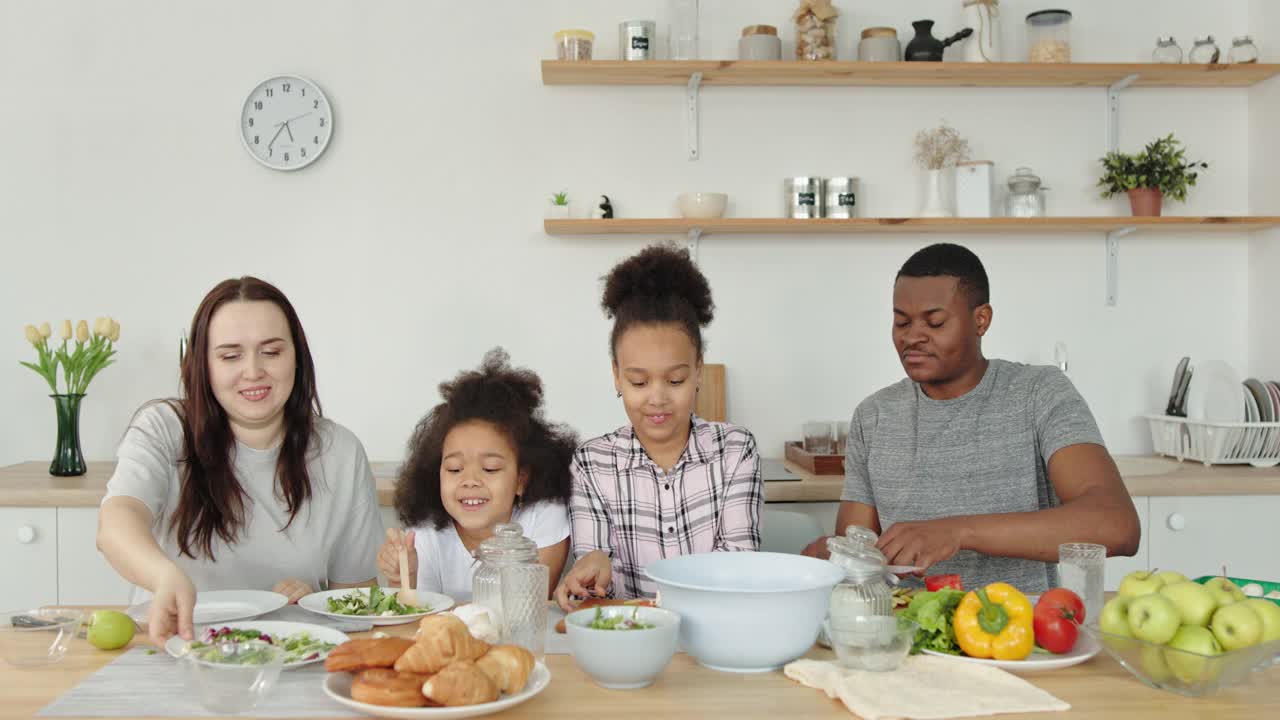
406,596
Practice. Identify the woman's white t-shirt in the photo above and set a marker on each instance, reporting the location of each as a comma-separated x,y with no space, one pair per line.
333,539
445,565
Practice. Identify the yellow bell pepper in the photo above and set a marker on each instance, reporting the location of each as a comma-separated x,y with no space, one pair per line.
995,622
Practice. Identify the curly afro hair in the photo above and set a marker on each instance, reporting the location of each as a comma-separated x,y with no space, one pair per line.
660,284
511,400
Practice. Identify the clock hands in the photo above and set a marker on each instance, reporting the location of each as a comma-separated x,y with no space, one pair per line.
298,117
273,137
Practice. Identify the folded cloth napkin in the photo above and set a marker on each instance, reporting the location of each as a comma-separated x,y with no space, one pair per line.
925,688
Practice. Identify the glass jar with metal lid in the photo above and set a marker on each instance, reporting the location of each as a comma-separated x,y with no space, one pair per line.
1243,51
1167,51
864,592
1026,195
1204,52
512,584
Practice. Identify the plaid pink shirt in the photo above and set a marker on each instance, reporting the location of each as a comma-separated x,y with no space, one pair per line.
626,506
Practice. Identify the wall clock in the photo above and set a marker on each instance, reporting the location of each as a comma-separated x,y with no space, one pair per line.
286,122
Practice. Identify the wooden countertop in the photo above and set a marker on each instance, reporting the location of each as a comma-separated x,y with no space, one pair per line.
30,485
1096,690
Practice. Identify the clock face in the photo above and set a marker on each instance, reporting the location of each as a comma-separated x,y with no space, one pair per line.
286,122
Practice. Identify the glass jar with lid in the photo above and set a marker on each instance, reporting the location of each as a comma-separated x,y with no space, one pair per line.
1049,36
1026,195
512,584
1167,51
864,591
1204,52
1242,51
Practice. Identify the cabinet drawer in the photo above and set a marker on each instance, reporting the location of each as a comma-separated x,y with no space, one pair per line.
1199,535
29,546
84,575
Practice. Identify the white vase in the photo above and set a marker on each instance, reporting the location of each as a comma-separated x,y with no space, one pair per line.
937,198
984,44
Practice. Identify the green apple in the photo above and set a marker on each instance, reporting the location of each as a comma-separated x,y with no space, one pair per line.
1154,619
1269,613
1194,601
1224,591
1236,626
1171,577
1191,639
1114,619
1154,664
110,630
1139,583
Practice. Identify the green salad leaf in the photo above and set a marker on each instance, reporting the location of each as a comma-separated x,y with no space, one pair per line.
376,602
933,611
619,622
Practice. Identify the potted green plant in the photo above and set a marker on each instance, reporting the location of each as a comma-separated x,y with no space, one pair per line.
76,361
1161,170
559,205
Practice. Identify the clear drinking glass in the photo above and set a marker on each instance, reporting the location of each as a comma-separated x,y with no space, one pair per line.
817,438
842,436
1082,570
682,39
232,677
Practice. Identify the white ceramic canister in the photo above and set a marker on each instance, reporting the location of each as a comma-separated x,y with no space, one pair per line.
975,195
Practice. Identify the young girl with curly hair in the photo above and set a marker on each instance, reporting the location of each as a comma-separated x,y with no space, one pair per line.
482,457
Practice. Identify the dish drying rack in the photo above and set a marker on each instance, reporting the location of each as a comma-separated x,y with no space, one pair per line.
1215,443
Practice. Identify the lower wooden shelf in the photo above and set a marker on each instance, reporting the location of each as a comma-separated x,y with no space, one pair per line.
787,226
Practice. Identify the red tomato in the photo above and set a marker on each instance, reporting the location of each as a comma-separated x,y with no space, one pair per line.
1057,620
937,582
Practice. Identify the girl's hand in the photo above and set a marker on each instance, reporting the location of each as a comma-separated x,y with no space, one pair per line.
172,605
389,558
293,588
589,576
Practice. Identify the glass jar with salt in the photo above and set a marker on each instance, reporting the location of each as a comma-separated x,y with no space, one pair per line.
512,584
864,591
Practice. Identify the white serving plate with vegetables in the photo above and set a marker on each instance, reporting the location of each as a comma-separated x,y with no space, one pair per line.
304,643
376,605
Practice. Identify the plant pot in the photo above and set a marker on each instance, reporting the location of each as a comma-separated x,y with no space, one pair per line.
1145,202
68,459
937,198
557,212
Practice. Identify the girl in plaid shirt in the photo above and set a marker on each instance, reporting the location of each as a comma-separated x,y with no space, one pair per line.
669,483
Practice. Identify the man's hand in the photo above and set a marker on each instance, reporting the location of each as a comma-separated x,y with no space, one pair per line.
922,544
818,548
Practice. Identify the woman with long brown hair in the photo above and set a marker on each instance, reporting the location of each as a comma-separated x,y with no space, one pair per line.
241,484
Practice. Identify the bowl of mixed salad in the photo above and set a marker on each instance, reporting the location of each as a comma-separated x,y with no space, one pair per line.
376,605
232,676
623,646
300,643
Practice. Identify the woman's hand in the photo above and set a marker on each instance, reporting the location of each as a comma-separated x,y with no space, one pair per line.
172,605
293,588
589,576
389,558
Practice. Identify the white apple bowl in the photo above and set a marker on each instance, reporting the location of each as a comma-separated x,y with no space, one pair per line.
702,206
1184,672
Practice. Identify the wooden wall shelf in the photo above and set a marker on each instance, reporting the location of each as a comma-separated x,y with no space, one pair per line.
1002,225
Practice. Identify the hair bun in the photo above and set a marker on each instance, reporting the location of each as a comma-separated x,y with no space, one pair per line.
656,275
495,384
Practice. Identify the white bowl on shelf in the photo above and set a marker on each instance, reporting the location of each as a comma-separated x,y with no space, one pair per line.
702,206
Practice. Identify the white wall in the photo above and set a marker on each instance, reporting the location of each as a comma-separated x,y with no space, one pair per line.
416,243
1264,199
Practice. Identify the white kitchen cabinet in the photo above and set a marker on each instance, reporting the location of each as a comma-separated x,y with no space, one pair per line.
1118,567
84,575
1199,535
29,549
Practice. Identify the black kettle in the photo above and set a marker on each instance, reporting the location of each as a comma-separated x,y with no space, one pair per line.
924,47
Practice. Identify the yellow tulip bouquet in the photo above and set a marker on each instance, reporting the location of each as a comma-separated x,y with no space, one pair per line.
77,360
80,363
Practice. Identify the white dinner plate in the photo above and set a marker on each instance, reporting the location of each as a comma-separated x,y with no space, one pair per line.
177,647
1086,647
220,606
1214,395
338,687
316,603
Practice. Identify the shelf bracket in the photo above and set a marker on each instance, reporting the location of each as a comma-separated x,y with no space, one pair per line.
1113,263
691,101
1113,111
695,238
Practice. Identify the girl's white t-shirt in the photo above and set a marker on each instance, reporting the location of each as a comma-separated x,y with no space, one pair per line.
445,565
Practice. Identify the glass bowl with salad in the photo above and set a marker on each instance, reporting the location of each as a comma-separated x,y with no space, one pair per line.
623,647
230,675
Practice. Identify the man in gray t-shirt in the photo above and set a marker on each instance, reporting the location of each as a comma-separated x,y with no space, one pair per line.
972,466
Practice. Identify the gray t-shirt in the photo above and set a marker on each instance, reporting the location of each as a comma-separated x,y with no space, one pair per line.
334,538
986,452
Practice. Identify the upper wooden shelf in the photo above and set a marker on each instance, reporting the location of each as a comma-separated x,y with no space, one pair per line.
900,74
786,226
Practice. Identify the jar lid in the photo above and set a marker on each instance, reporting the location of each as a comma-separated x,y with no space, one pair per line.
859,562
575,34
637,24
759,30
884,32
1049,17
1207,39
863,535
1242,40
1165,40
508,544
1024,181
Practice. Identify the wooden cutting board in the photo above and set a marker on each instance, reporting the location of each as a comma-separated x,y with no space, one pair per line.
711,394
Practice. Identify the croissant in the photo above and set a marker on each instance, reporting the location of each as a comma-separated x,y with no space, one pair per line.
442,639
366,653
384,686
508,666
461,683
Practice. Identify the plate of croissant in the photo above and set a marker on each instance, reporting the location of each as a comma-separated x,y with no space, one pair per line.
441,674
